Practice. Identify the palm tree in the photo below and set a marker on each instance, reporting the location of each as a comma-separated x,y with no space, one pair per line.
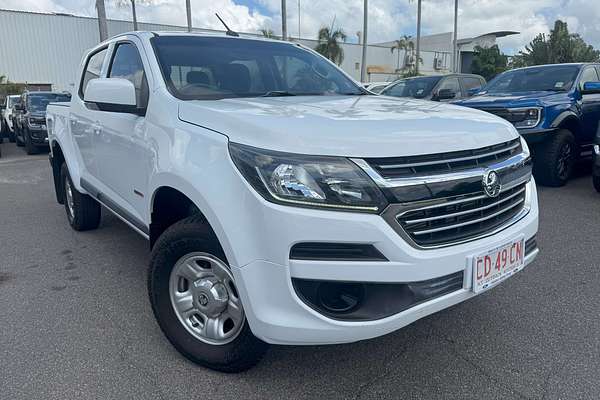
329,45
268,33
404,43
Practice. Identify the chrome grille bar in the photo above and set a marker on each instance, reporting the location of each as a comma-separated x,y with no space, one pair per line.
458,214
451,160
471,222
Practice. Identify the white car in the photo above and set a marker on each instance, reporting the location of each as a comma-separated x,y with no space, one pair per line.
6,116
283,203
376,87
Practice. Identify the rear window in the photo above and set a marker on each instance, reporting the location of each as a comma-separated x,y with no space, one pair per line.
39,102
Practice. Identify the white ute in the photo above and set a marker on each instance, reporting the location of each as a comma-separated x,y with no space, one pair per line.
284,203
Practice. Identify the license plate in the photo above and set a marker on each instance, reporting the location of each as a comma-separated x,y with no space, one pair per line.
494,266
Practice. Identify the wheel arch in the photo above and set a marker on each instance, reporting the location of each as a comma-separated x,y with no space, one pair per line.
173,200
570,121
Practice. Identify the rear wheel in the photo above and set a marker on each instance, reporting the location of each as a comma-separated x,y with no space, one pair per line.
83,212
555,158
196,301
596,180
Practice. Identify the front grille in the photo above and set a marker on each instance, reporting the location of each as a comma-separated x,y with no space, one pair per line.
461,218
431,164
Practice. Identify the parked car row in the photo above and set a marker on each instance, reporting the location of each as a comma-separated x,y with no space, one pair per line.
556,108
23,118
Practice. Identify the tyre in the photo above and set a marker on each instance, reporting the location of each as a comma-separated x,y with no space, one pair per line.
18,140
554,159
196,302
596,180
11,134
83,212
30,148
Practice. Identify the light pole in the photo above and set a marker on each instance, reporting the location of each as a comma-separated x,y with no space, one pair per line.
284,35
102,26
188,10
135,24
363,64
298,19
418,37
455,60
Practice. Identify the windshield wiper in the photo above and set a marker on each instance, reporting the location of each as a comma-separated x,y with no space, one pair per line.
277,93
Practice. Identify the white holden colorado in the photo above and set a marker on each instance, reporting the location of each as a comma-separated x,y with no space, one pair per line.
284,203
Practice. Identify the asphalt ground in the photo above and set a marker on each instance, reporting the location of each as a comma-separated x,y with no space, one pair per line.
75,322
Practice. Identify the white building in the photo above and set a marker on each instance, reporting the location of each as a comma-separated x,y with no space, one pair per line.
47,48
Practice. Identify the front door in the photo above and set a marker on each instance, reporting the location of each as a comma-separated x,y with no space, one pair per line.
590,107
124,155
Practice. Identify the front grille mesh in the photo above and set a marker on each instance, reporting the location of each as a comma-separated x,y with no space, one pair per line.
461,218
430,164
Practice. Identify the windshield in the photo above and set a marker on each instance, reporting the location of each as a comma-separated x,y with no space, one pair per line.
415,87
556,78
39,102
11,101
207,68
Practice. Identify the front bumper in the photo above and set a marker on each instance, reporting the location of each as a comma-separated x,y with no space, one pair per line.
39,136
536,135
276,313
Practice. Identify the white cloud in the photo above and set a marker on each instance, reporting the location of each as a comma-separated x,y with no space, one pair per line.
388,19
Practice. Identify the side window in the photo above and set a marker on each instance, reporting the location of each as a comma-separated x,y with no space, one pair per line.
452,84
472,82
589,75
127,64
92,70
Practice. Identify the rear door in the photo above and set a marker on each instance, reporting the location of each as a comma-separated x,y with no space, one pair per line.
590,106
84,121
123,152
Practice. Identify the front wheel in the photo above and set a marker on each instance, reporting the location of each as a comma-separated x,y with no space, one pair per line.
30,148
196,302
596,180
18,140
554,159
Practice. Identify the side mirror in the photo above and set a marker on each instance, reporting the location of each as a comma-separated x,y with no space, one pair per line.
591,88
445,94
111,94
474,91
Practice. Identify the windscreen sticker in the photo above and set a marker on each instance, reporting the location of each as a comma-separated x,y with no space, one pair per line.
420,91
559,85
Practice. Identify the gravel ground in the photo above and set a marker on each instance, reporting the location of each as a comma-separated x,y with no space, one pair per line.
75,322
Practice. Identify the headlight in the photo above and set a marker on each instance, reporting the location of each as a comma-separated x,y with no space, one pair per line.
525,117
308,181
36,121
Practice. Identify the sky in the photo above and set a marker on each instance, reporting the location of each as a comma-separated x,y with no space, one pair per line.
388,19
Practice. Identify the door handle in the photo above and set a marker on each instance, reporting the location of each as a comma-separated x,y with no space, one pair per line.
97,129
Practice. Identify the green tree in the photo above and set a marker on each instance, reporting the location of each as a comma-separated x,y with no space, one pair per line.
489,61
329,44
559,46
268,33
3,78
404,43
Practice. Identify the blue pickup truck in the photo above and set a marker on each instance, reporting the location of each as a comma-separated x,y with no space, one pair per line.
556,108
